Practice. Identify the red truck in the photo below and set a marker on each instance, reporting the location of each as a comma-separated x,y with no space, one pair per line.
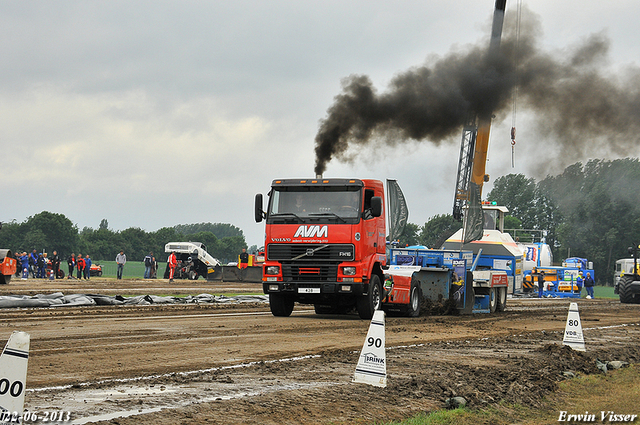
324,245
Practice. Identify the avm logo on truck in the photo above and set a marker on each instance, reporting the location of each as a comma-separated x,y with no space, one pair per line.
312,231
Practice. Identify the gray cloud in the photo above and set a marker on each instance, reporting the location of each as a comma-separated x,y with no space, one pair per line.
577,102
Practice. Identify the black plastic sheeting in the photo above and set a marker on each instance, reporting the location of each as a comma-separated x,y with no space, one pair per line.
58,299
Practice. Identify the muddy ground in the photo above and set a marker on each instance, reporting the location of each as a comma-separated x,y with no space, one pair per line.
228,364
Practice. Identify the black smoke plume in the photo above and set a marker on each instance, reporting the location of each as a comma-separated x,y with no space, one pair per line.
575,102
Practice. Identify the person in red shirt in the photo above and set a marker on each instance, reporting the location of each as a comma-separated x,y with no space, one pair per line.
80,264
173,262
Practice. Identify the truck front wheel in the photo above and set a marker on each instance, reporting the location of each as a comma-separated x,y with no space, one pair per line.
281,305
368,304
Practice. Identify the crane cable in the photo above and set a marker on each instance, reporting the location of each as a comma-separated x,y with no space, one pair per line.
515,87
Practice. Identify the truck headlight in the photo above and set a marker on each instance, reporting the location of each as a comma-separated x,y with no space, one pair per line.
272,270
349,271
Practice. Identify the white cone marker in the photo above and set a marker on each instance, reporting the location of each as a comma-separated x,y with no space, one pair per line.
372,365
573,330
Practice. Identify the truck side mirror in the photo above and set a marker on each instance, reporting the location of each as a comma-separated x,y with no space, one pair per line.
630,250
376,206
259,214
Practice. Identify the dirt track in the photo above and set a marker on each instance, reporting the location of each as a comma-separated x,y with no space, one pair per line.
238,364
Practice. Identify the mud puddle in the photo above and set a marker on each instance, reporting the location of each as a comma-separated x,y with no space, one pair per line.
91,405
120,398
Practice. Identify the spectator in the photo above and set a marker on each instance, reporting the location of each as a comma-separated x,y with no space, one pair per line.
80,265
121,259
87,267
24,261
154,268
47,262
40,263
148,263
55,264
540,284
588,285
244,263
17,256
173,262
33,261
580,281
71,262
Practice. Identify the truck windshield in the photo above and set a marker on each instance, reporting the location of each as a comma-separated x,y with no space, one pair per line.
324,205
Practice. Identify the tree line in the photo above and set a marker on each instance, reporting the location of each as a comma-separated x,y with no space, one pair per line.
47,231
590,210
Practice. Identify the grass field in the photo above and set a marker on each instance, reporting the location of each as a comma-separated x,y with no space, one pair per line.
603,292
132,269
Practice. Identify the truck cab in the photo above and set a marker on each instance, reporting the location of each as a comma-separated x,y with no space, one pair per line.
324,244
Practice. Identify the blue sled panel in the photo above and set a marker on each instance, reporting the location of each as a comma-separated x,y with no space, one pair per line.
481,304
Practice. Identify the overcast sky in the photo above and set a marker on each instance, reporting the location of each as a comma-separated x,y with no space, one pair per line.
155,113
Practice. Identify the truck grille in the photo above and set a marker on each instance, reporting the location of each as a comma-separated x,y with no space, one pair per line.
321,273
310,252
310,262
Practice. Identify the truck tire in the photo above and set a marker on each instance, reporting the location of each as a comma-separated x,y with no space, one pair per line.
368,304
624,291
493,300
281,305
414,300
502,299
4,279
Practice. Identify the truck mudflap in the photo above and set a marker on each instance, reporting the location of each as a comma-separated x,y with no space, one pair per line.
446,291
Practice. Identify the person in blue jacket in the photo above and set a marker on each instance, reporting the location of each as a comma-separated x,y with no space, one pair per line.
588,285
540,284
33,261
87,267
24,259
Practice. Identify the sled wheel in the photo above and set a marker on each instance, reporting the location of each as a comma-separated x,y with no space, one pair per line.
493,300
502,299
414,300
